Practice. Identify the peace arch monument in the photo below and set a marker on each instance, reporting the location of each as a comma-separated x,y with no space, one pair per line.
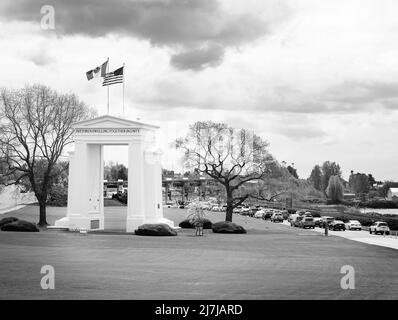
86,172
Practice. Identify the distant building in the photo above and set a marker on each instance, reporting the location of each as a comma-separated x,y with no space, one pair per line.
392,194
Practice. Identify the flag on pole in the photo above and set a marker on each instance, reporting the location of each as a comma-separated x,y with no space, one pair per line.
113,77
97,72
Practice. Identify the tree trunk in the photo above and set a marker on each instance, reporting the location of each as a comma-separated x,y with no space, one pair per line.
43,219
228,216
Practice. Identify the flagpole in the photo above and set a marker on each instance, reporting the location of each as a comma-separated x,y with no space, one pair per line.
107,71
124,76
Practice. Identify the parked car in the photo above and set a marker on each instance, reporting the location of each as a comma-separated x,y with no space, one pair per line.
295,221
307,214
277,217
259,214
285,214
245,211
292,217
253,211
317,222
267,214
337,225
169,204
306,222
238,210
353,225
379,227
301,212
326,220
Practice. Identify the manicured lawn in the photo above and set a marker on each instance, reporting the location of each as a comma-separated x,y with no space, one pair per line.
272,261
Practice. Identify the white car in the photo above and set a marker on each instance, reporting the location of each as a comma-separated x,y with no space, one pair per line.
353,225
259,214
379,227
237,210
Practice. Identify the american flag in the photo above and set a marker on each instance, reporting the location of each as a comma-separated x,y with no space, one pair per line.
113,77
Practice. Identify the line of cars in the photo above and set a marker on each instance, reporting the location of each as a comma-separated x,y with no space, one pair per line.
304,219
259,212
301,219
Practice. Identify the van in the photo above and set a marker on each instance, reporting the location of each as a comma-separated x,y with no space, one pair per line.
307,222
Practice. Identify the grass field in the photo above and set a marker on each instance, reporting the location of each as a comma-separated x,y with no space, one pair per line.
271,261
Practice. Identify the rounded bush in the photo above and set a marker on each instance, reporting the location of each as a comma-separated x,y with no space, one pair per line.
7,220
20,225
227,227
155,230
185,224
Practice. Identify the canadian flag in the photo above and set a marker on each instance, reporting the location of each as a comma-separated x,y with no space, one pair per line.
97,72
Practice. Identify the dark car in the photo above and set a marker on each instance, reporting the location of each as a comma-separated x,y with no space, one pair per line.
267,215
326,221
318,222
285,214
337,225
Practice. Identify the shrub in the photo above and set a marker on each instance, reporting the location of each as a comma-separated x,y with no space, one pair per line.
366,222
20,225
393,224
342,218
380,204
160,229
316,214
227,227
7,220
186,224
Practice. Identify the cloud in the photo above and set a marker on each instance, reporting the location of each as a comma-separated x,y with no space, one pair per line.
360,92
301,132
345,97
40,57
199,31
176,91
198,59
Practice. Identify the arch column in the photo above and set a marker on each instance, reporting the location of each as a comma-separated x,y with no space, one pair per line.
135,190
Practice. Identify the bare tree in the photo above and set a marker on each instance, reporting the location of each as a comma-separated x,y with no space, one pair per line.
231,157
35,127
268,189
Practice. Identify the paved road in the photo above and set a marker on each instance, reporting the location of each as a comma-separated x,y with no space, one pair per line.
272,261
362,236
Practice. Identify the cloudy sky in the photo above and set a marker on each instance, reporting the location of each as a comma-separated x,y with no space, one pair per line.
317,79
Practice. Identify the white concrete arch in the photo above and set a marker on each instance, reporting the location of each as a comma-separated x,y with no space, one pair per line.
85,193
